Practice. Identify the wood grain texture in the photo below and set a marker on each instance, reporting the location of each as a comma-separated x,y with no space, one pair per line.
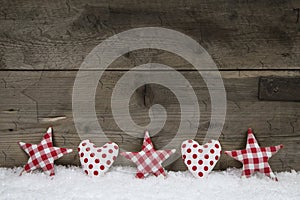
32,101
279,88
43,43
57,35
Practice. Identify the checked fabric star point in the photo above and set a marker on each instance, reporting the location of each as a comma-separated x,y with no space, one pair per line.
254,157
42,155
148,160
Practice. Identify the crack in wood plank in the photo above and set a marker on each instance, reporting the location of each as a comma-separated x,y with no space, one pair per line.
5,156
297,10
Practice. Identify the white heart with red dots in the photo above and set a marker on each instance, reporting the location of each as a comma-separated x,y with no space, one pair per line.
95,161
199,159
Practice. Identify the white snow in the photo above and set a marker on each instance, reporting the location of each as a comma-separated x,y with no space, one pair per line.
120,183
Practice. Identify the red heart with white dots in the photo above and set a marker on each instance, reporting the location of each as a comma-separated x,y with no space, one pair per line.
95,161
200,159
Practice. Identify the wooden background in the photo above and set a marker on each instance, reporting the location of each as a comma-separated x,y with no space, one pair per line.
42,44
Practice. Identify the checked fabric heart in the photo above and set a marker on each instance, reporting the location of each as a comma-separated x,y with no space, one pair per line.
199,159
95,161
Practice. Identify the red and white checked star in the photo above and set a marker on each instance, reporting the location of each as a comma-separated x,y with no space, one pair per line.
43,155
254,157
148,160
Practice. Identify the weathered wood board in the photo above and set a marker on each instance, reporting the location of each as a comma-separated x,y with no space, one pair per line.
31,101
279,89
43,43
41,34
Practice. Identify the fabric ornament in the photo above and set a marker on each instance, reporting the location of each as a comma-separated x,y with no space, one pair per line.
96,161
254,157
148,160
200,159
42,155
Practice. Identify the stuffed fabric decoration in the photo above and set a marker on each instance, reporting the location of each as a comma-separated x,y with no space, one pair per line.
200,159
95,161
148,160
254,157
42,155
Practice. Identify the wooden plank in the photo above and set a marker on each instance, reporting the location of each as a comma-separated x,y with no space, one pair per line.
38,35
32,101
279,88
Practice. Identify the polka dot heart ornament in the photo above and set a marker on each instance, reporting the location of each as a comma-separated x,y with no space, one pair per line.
95,161
199,159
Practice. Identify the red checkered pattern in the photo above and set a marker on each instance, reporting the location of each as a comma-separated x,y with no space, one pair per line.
148,160
255,158
43,155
